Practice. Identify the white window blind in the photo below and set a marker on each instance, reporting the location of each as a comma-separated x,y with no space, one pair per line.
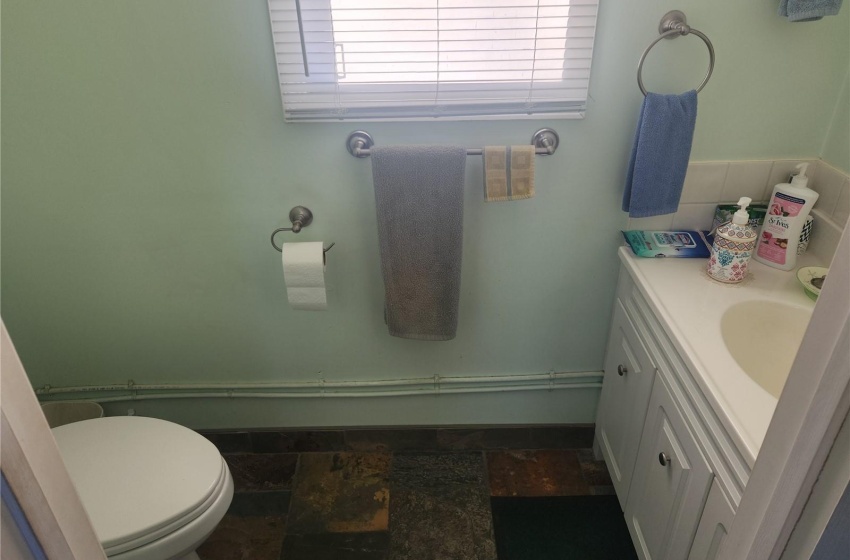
418,59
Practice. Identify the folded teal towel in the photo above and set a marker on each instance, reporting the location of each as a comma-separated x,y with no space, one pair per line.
660,155
808,10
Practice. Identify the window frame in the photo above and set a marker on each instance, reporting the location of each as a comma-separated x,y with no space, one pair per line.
471,100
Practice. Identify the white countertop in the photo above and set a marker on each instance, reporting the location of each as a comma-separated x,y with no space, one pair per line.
690,306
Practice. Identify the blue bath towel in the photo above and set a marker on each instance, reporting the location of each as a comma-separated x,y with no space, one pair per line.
808,10
660,155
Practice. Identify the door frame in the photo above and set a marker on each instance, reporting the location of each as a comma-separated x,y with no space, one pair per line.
33,467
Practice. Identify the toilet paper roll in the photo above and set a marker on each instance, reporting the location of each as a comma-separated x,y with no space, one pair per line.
304,275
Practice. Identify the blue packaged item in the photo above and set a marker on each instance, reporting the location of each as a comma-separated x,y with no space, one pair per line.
688,244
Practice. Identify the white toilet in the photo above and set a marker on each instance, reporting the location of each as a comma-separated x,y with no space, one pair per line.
154,490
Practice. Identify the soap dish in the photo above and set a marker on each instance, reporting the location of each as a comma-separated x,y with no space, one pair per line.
812,277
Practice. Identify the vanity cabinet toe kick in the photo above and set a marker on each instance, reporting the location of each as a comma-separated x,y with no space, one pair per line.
676,471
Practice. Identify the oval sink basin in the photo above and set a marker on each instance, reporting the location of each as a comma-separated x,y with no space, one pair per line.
763,337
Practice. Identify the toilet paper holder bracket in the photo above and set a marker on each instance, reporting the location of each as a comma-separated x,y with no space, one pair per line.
300,217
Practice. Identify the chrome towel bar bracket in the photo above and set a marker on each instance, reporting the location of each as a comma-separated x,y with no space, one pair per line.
545,141
672,25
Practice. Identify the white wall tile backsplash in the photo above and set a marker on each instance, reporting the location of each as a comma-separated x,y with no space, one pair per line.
697,215
708,184
704,182
783,169
746,178
831,211
834,189
825,237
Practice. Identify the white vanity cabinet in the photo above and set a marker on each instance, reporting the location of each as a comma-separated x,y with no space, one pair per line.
677,473
671,480
629,373
714,525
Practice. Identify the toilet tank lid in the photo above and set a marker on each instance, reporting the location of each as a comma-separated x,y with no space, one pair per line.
137,476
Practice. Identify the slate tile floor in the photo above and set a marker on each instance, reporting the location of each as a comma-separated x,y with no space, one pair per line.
417,494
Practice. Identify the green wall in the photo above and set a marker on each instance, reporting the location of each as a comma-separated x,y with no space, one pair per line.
145,162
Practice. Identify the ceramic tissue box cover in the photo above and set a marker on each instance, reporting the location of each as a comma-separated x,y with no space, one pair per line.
729,259
723,215
805,235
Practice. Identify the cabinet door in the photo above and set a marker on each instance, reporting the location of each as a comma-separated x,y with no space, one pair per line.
671,480
625,392
714,525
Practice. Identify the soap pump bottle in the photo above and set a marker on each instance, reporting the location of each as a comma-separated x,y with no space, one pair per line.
733,246
787,210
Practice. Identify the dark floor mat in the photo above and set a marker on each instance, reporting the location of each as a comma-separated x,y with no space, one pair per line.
561,528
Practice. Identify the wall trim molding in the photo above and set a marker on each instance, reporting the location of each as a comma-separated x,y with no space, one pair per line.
322,388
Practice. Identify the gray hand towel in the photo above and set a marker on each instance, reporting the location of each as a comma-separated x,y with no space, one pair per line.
808,10
419,199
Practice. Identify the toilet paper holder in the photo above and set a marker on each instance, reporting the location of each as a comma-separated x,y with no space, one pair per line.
300,217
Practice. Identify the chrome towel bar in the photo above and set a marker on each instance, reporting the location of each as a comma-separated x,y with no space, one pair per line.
672,25
544,140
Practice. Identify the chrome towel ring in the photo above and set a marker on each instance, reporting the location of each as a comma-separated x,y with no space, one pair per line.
673,24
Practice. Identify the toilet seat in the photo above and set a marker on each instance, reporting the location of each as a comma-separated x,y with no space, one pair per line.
140,479
147,538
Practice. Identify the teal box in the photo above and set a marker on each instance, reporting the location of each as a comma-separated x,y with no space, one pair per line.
683,244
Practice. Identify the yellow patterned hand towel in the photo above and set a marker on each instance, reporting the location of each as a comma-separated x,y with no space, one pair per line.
508,183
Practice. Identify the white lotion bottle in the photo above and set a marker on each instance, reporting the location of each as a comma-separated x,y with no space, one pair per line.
789,205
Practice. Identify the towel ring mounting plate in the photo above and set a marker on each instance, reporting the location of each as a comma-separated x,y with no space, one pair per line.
672,25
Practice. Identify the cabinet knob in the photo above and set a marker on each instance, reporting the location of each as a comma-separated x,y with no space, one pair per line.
664,459
622,370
